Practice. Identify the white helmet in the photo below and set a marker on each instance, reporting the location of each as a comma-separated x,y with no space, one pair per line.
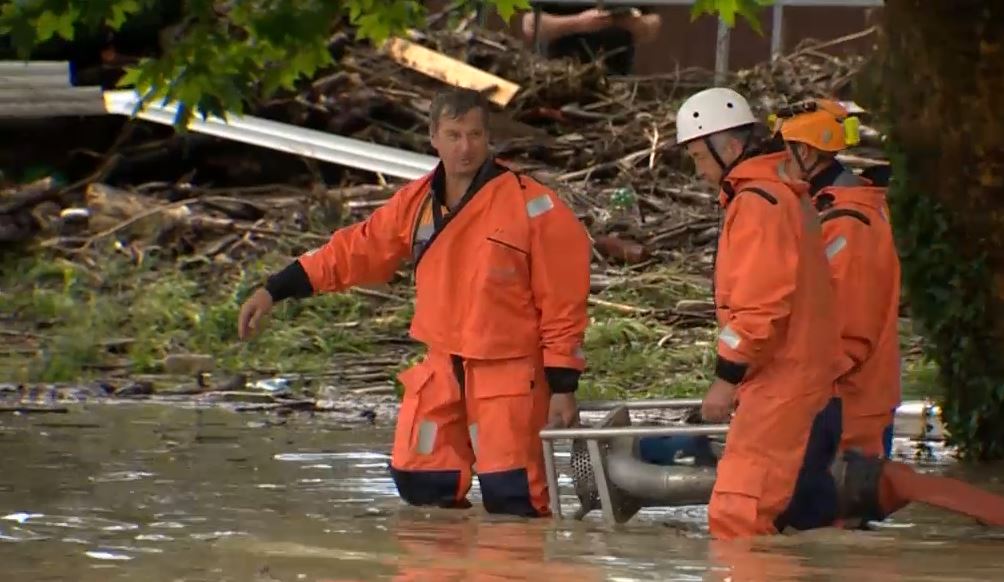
711,111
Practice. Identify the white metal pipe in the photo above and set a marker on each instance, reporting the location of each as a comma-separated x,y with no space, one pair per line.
913,418
284,137
640,404
633,431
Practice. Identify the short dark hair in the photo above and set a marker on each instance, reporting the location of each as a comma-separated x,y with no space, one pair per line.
454,102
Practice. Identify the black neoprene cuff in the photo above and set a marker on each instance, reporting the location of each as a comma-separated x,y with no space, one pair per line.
562,380
289,282
731,372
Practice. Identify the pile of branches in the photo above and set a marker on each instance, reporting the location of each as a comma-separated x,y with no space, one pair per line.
605,142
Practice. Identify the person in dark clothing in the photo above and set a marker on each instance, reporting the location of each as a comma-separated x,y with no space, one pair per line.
587,35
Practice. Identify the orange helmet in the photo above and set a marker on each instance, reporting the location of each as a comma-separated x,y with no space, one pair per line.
819,123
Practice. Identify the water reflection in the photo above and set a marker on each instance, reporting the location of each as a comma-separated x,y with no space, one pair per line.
165,494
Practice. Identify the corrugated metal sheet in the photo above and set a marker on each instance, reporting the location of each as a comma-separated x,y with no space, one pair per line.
41,89
34,72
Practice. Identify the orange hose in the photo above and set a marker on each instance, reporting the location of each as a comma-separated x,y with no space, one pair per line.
900,485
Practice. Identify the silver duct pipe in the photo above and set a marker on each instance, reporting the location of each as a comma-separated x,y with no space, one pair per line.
611,476
656,484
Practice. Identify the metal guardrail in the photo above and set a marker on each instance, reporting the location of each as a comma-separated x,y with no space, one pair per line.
34,72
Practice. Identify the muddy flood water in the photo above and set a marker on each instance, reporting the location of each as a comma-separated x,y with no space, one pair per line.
157,493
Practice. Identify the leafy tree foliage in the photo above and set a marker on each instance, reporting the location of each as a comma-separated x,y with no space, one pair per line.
728,9
224,51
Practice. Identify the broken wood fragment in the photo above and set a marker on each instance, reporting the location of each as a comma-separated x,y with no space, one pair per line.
450,70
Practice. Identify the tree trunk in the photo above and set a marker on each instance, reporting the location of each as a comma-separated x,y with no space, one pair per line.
942,70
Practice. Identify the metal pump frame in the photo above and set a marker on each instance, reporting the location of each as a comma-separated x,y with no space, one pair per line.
923,412
593,436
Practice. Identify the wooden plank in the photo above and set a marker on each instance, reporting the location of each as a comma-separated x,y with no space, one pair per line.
450,70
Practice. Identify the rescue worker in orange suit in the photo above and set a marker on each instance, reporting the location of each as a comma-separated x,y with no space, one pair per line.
865,271
777,332
501,268
864,265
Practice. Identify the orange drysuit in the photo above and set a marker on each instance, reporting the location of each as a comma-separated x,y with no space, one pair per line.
777,341
866,281
501,284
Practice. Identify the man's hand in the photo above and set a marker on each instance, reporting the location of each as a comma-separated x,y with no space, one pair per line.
250,320
564,411
718,402
593,20
648,27
644,28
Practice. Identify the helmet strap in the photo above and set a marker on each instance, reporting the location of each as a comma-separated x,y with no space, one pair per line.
714,152
798,159
727,168
807,172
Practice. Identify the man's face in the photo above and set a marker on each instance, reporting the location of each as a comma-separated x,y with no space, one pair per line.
461,142
708,168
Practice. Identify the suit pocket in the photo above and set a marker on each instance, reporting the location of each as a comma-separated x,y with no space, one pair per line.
415,379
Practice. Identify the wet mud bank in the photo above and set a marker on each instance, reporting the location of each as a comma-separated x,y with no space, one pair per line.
374,406
271,397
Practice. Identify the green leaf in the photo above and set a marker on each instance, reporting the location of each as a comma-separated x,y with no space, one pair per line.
702,7
751,14
23,36
121,10
131,77
506,8
727,10
46,25
374,28
64,25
